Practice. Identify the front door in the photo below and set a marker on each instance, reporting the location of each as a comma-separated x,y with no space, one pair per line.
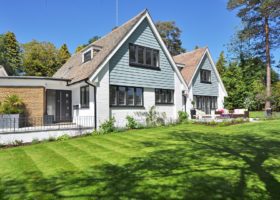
59,105
63,105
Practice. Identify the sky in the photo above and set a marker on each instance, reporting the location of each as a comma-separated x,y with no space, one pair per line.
203,22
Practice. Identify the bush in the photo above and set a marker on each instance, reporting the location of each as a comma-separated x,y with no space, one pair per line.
35,141
17,142
183,117
63,137
108,126
12,104
131,123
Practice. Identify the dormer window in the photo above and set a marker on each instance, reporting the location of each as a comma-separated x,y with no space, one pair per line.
143,56
87,56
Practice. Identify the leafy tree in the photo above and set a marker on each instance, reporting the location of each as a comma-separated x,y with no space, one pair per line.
63,54
10,56
276,95
170,35
261,19
91,40
40,58
221,64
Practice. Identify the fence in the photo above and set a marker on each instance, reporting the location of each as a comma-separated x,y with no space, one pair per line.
35,124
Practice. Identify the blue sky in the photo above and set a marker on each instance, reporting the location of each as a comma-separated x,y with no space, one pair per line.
203,22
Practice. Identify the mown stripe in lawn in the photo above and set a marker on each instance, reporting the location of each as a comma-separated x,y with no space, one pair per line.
48,161
16,162
74,154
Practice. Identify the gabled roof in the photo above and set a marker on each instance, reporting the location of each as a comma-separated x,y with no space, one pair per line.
191,60
3,71
77,71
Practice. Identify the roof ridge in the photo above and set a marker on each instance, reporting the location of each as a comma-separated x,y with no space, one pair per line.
192,51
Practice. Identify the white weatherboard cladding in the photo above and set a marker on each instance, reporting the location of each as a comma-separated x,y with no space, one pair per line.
205,89
123,74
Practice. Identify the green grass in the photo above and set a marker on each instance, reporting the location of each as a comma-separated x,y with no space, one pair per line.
261,114
187,161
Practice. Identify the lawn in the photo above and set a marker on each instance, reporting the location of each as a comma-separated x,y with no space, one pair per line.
187,161
261,114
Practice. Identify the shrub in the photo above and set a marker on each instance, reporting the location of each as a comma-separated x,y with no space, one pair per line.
17,142
63,137
50,139
35,141
108,126
131,123
12,104
183,117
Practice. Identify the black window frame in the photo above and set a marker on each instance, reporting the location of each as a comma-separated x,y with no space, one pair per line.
202,80
126,97
84,54
200,100
162,93
85,97
152,54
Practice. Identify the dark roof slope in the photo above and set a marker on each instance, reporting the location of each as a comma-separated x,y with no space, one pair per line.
190,60
75,70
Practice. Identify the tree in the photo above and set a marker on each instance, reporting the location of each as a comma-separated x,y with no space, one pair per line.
10,56
40,58
91,40
221,64
261,19
63,54
196,47
170,35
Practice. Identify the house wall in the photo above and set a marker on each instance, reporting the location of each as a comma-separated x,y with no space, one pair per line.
205,89
123,74
33,98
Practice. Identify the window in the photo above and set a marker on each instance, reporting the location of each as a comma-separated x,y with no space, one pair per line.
87,56
205,76
205,103
126,96
143,56
84,97
163,96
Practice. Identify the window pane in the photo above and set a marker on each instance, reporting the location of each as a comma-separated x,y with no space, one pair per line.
139,97
140,55
122,96
130,96
87,56
155,58
157,93
113,95
84,96
169,96
148,57
132,53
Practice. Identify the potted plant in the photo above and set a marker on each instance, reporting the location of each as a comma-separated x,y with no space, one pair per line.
193,111
10,110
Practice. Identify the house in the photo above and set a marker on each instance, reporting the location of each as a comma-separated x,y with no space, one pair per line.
205,87
3,71
126,72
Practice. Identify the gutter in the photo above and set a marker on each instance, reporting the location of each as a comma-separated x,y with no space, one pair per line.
94,99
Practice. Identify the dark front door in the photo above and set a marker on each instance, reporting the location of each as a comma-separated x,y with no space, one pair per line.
63,106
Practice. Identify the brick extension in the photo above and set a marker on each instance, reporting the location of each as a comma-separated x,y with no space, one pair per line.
33,98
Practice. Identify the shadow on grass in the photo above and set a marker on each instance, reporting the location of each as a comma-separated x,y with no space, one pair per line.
198,166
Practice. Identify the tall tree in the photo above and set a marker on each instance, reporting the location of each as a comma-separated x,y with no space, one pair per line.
40,58
10,56
170,35
63,55
261,19
221,64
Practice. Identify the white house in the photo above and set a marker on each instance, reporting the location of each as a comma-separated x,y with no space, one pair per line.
126,72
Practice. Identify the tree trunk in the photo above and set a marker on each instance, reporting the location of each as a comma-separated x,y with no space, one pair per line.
268,66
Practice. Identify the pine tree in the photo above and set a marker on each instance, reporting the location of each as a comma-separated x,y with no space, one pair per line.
63,54
261,19
12,54
170,35
221,64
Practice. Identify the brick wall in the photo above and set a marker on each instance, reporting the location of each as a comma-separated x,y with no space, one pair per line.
33,98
